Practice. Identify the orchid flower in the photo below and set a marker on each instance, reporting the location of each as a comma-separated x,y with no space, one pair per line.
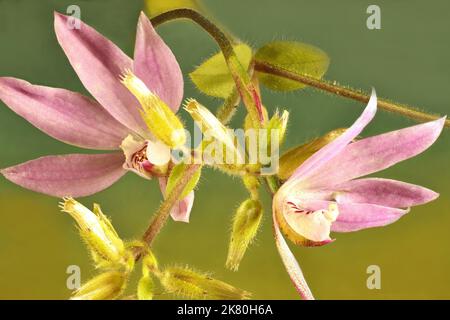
113,121
325,193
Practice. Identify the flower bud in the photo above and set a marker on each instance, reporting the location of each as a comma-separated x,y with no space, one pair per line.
293,158
146,287
212,127
97,231
245,226
106,286
159,118
193,285
278,122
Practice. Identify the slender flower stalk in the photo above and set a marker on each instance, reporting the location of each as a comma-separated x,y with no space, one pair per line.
249,93
244,85
164,210
346,92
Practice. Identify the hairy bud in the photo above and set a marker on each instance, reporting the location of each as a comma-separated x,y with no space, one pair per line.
97,231
193,285
245,226
106,286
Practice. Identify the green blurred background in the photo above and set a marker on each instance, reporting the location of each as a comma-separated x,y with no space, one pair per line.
407,60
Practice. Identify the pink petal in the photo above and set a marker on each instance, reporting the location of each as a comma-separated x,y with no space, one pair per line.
182,209
155,64
389,193
331,150
99,64
291,264
73,175
63,115
358,216
377,153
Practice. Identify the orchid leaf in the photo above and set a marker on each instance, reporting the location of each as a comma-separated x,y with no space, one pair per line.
213,77
297,57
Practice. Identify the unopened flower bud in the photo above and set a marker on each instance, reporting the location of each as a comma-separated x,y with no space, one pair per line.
212,127
245,226
98,233
278,122
293,158
193,285
146,288
159,118
106,286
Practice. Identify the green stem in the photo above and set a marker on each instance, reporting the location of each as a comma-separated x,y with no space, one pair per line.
244,85
346,92
160,217
273,184
228,108
219,36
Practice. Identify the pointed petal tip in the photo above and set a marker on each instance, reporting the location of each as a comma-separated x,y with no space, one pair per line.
430,196
435,196
59,17
178,218
373,102
440,123
9,173
144,20
436,127
59,20
4,172
142,15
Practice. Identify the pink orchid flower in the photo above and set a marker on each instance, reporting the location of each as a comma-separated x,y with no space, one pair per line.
111,122
325,193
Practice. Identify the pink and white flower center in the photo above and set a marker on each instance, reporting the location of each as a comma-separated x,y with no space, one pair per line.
146,158
314,225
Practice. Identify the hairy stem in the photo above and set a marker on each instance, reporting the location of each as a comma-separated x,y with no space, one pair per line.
227,110
244,85
220,37
160,217
346,92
